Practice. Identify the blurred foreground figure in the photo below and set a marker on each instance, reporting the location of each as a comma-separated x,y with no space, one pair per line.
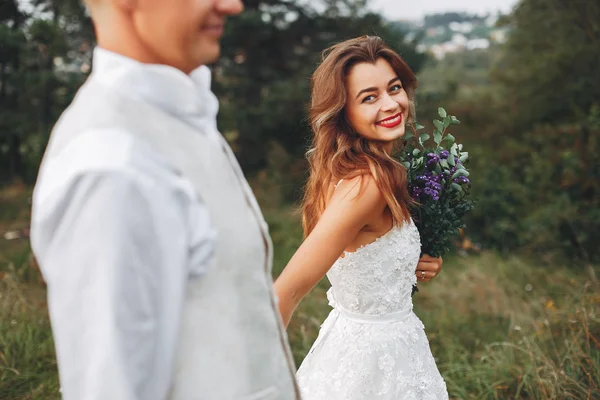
154,249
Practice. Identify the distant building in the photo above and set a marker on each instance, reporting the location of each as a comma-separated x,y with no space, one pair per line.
478,44
439,51
437,31
443,35
459,39
499,35
462,27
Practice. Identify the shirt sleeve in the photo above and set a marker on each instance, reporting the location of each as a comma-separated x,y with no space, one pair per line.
114,254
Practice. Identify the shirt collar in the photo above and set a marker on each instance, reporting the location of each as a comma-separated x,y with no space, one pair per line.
166,87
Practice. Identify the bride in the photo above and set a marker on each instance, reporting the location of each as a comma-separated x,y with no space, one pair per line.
359,233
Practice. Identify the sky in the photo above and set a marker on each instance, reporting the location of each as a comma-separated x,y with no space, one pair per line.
416,9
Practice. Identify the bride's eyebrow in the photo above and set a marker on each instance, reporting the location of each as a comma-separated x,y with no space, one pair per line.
374,89
369,89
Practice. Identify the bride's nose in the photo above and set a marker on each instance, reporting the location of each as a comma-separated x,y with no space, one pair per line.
389,104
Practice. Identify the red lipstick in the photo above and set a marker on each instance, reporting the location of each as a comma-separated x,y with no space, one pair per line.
390,122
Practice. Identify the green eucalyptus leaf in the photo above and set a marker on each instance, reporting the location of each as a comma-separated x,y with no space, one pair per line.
450,138
424,137
455,121
439,125
442,112
457,187
451,160
437,137
406,164
460,172
447,122
464,156
418,126
416,152
444,163
454,150
408,135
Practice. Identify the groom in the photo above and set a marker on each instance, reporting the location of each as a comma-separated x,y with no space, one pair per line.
156,255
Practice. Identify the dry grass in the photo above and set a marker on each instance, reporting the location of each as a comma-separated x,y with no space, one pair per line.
500,327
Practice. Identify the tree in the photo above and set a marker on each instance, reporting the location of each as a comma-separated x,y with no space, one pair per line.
11,41
38,53
539,184
550,69
269,53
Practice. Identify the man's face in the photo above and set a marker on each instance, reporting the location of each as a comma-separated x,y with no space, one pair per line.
183,33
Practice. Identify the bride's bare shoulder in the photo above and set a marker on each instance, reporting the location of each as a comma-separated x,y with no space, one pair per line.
359,191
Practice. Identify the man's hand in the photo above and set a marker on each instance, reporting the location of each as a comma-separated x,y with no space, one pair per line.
428,268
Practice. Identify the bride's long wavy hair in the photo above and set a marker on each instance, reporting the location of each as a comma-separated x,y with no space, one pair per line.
337,151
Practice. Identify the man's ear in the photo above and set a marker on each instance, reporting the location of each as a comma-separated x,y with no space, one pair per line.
126,5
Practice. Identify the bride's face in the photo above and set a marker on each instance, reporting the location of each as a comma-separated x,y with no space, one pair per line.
377,106
183,33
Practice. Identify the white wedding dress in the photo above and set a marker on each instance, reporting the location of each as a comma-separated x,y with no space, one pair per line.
372,346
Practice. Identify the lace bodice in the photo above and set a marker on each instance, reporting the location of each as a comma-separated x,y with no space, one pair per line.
378,277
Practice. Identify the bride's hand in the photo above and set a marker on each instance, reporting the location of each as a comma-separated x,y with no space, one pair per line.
428,268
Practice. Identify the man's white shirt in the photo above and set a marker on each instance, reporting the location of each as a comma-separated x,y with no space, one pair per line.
117,235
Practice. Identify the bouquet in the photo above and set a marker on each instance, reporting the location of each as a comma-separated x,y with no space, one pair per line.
438,182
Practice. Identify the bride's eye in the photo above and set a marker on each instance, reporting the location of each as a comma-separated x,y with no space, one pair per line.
368,99
395,88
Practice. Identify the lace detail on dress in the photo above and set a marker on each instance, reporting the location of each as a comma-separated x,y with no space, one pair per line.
378,277
372,346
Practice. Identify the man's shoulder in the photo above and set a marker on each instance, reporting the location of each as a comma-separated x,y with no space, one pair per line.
103,151
107,147
103,132
95,106
96,132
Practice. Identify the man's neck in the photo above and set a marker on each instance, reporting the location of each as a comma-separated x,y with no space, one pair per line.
116,33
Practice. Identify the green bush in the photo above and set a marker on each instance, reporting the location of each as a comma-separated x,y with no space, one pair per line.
541,192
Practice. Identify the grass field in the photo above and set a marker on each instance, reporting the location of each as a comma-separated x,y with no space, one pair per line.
500,327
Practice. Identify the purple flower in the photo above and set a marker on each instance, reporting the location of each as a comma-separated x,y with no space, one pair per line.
427,185
444,154
461,179
432,160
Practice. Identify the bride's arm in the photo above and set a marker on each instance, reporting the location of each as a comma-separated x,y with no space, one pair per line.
354,204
